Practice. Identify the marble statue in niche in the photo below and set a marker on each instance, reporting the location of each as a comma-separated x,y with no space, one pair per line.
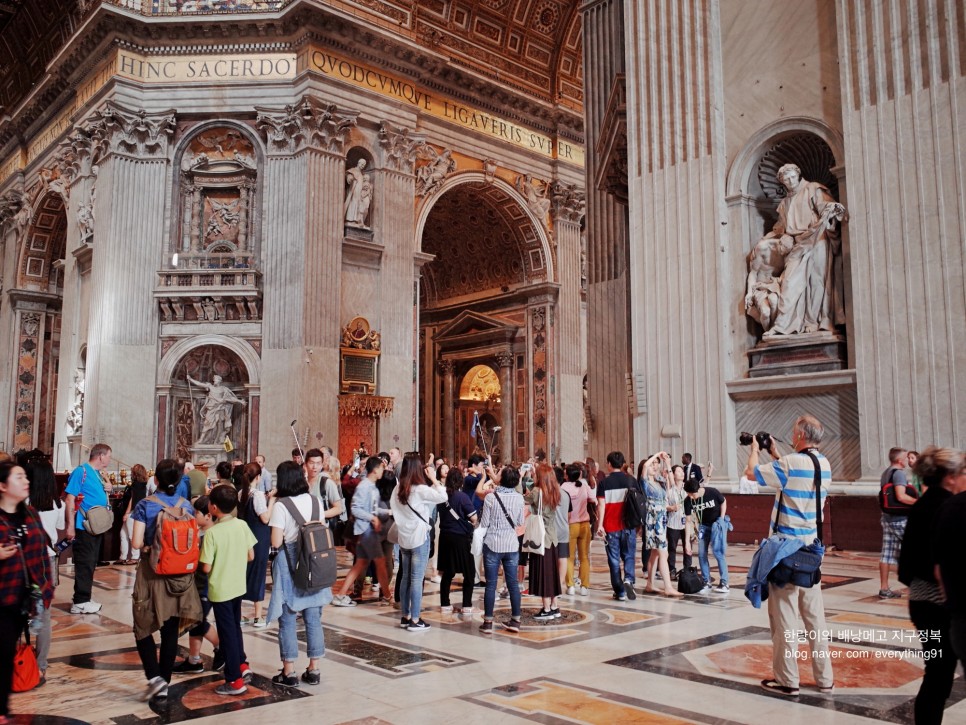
75,416
85,221
216,412
358,197
765,265
790,282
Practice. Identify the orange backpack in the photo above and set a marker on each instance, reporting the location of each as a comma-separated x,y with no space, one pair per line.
176,544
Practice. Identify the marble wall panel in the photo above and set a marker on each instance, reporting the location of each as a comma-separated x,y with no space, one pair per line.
904,87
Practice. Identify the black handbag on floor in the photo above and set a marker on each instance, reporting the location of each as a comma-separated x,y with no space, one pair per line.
690,581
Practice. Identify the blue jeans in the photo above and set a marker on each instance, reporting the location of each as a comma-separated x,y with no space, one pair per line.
412,568
620,546
288,643
704,536
491,569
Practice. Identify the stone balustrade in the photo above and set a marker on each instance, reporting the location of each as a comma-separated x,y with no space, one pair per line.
208,295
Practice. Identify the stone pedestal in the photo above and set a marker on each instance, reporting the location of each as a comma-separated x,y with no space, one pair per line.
795,354
208,456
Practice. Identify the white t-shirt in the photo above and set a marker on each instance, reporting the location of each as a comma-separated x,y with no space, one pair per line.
282,519
52,521
259,502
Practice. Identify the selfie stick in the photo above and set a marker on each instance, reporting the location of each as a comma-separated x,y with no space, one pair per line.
480,433
296,435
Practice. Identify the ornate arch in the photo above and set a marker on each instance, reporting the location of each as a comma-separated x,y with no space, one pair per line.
540,239
44,242
744,167
245,352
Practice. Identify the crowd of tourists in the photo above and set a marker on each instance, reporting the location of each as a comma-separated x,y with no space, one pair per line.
407,519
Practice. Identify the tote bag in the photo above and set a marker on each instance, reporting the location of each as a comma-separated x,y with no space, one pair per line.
535,531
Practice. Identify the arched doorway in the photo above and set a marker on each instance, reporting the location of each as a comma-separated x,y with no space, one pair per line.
37,299
486,300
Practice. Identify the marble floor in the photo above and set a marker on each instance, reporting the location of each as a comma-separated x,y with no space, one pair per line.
698,660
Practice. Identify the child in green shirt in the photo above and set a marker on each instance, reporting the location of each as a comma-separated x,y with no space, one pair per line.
225,553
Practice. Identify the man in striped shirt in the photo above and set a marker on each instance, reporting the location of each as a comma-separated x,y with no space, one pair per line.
793,476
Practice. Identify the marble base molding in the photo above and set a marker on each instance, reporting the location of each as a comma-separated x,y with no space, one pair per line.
796,354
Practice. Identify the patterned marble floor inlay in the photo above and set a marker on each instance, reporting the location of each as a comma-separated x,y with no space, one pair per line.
553,702
574,624
603,662
382,656
872,680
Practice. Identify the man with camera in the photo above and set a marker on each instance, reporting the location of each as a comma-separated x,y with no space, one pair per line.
795,515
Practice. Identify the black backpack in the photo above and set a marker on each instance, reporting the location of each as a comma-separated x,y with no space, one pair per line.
314,566
635,506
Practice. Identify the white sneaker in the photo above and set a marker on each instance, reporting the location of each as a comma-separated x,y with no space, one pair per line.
375,588
155,685
584,592
706,589
343,601
90,607
721,589
446,610
259,623
570,591
468,613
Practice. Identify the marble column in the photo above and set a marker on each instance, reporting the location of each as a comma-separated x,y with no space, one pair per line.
133,180
903,77
393,221
568,211
608,327
446,369
77,167
676,162
504,361
301,260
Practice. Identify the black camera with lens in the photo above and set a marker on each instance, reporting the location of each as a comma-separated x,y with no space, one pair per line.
763,438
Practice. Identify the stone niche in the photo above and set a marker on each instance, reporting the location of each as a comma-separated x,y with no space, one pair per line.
219,178
807,347
212,275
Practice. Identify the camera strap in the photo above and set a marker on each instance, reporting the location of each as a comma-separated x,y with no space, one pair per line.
818,505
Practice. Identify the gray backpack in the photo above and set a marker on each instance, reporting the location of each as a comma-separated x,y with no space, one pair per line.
314,565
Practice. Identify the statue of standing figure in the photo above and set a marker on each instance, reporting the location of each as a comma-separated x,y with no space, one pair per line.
216,413
790,286
359,196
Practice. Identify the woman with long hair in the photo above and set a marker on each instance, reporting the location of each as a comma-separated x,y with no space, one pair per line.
676,521
543,500
457,517
43,498
942,471
133,493
412,501
23,559
256,510
292,490
581,495
655,527
169,604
